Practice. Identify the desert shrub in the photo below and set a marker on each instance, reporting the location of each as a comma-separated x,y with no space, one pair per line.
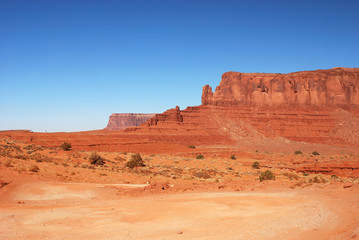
191,146
66,146
255,165
315,153
318,180
334,177
135,161
291,176
202,174
233,157
298,152
96,159
267,175
8,163
200,156
34,168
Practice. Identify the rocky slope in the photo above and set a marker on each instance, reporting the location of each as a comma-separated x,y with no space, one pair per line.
120,121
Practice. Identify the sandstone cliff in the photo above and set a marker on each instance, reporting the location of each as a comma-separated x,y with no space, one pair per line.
337,87
120,121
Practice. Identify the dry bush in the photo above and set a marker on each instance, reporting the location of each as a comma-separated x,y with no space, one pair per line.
317,179
202,174
267,175
255,165
135,161
315,153
200,156
8,163
30,147
96,159
34,168
291,176
66,146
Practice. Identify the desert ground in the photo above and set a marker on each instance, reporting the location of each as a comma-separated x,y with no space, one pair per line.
196,193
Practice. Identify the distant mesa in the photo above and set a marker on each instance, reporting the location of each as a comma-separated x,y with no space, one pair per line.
120,121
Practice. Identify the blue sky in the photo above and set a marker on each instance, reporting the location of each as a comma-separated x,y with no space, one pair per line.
67,65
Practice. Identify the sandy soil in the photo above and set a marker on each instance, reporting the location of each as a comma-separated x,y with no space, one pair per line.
47,210
47,193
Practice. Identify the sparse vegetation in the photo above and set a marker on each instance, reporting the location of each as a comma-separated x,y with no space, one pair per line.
255,165
298,152
233,157
317,179
291,176
200,156
34,168
191,146
334,177
202,174
135,161
267,175
96,159
66,146
315,153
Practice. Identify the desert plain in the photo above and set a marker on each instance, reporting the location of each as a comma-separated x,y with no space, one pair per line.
263,157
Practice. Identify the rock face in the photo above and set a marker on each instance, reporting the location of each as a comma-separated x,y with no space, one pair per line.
120,121
337,87
171,115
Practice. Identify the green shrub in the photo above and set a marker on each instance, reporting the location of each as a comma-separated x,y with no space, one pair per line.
315,153
255,165
191,146
66,146
233,157
135,161
200,156
298,152
267,175
96,159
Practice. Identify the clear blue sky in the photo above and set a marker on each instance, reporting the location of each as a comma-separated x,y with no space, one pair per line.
66,65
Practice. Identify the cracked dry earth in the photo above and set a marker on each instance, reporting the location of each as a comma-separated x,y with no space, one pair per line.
53,210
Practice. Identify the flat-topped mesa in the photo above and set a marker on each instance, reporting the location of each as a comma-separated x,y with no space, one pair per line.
120,121
337,87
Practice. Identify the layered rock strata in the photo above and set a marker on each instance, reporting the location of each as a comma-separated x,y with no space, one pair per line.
120,121
337,87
